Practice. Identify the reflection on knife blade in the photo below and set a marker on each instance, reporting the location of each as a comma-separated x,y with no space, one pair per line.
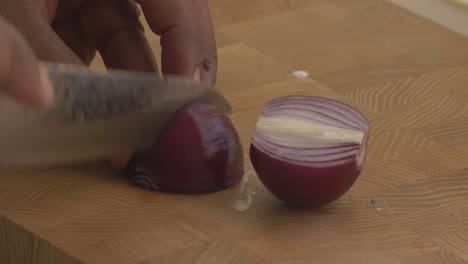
85,95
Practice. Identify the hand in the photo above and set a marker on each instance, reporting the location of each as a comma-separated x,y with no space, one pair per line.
20,73
72,31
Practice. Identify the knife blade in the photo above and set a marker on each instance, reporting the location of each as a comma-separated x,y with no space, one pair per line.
94,115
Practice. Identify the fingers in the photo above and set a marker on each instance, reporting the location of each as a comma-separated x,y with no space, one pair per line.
113,27
187,37
32,19
70,32
20,73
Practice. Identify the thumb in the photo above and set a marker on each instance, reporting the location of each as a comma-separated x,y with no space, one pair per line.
20,73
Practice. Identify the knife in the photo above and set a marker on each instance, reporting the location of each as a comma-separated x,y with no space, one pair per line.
95,115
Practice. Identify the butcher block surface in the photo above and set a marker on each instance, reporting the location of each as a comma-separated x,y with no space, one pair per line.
408,75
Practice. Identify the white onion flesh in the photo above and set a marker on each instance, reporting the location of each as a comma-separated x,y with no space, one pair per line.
311,131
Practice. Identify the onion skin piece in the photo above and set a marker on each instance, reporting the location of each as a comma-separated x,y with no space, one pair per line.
199,152
300,175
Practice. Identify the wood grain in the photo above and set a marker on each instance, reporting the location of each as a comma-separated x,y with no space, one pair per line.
408,76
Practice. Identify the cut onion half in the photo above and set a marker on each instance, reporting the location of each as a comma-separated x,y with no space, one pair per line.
308,150
198,152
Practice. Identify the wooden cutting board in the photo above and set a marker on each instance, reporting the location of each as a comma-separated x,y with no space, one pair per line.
407,74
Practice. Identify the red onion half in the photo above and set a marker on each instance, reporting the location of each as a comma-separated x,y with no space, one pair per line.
307,150
199,151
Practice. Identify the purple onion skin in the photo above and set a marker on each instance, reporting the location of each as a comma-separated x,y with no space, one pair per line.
181,161
300,186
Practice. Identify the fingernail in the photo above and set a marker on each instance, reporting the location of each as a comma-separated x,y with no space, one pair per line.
46,90
207,64
208,74
196,75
